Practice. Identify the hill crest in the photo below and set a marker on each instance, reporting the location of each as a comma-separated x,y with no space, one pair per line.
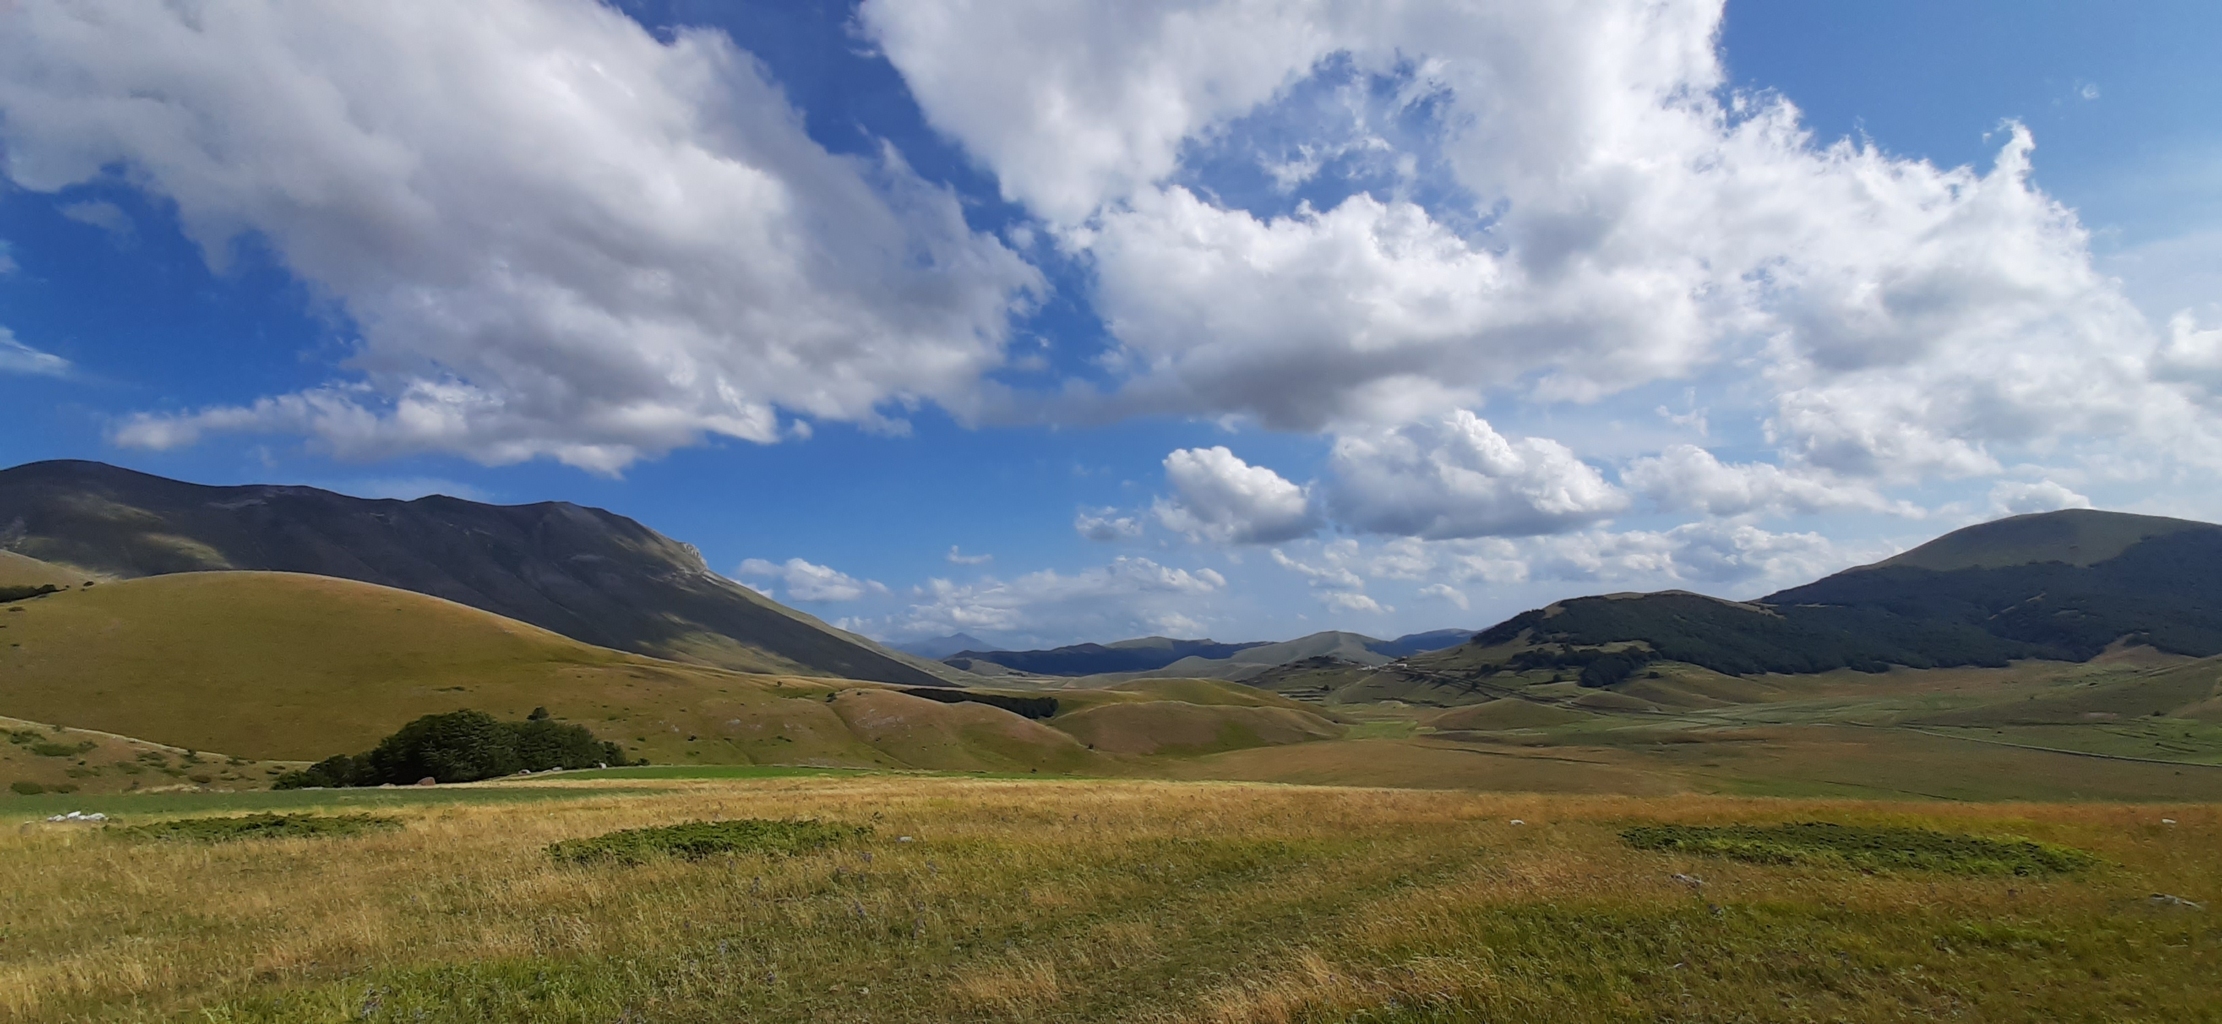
585,573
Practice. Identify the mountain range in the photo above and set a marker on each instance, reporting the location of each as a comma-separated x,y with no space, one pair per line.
584,573
288,623
1166,657
2058,587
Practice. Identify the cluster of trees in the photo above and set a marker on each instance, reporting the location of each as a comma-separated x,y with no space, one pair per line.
1599,667
462,746
1027,707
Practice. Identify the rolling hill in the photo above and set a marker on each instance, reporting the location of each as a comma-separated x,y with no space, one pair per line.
270,666
587,574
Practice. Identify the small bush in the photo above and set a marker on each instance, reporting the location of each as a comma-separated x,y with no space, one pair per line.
1865,849
698,839
26,787
263,826
49,749
19,593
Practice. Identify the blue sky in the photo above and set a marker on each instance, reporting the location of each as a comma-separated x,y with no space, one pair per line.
1057,322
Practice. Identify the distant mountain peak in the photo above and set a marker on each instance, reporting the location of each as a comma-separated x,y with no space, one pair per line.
2074,536
940,647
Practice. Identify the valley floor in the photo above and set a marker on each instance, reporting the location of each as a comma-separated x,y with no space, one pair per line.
1093,900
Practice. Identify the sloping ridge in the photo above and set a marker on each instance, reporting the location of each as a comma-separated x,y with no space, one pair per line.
582,572
2076,536
1138,655
2058,585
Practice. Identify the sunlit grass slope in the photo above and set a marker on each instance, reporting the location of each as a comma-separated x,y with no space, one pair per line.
24,571
37,758
287,666
1112,901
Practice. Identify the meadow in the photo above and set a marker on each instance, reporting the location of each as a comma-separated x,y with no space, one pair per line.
997,899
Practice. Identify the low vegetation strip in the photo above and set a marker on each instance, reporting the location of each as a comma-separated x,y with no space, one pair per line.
695,840
1866,849
262,826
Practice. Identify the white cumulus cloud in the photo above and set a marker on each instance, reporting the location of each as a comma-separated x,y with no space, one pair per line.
808,581
1686,478
1105,525
2017,497
1219,497
1446,593
1457,477
1586,207
557,234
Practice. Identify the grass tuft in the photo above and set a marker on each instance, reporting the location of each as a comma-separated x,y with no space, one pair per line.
262,826
1866,849
698,839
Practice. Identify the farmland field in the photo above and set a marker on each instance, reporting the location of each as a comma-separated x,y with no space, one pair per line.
1084,900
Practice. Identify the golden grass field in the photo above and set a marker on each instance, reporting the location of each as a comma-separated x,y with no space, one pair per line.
1024,900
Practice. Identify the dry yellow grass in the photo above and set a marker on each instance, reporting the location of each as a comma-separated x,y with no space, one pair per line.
1083,901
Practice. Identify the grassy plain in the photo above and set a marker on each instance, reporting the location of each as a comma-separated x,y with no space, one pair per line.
1104,901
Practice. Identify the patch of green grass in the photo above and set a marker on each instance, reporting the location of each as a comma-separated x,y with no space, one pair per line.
695,840
189,802
48,749
25,787
712,771
1866,849
262,826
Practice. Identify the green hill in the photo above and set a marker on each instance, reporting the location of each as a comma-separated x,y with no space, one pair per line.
2059,586
294,667
585,573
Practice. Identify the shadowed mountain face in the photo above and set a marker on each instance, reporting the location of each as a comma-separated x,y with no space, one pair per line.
1208,659
1139,655
585,573
2057,585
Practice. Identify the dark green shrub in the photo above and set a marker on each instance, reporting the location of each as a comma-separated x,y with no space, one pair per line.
331,773
460,746
262,826
19,593
26,787
62,749
697,839
1865,849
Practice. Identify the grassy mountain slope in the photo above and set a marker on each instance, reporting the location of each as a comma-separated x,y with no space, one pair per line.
24,571
2076,536
299,667
1355,648
2060,586
1421,643
585,573
39,757
287,666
